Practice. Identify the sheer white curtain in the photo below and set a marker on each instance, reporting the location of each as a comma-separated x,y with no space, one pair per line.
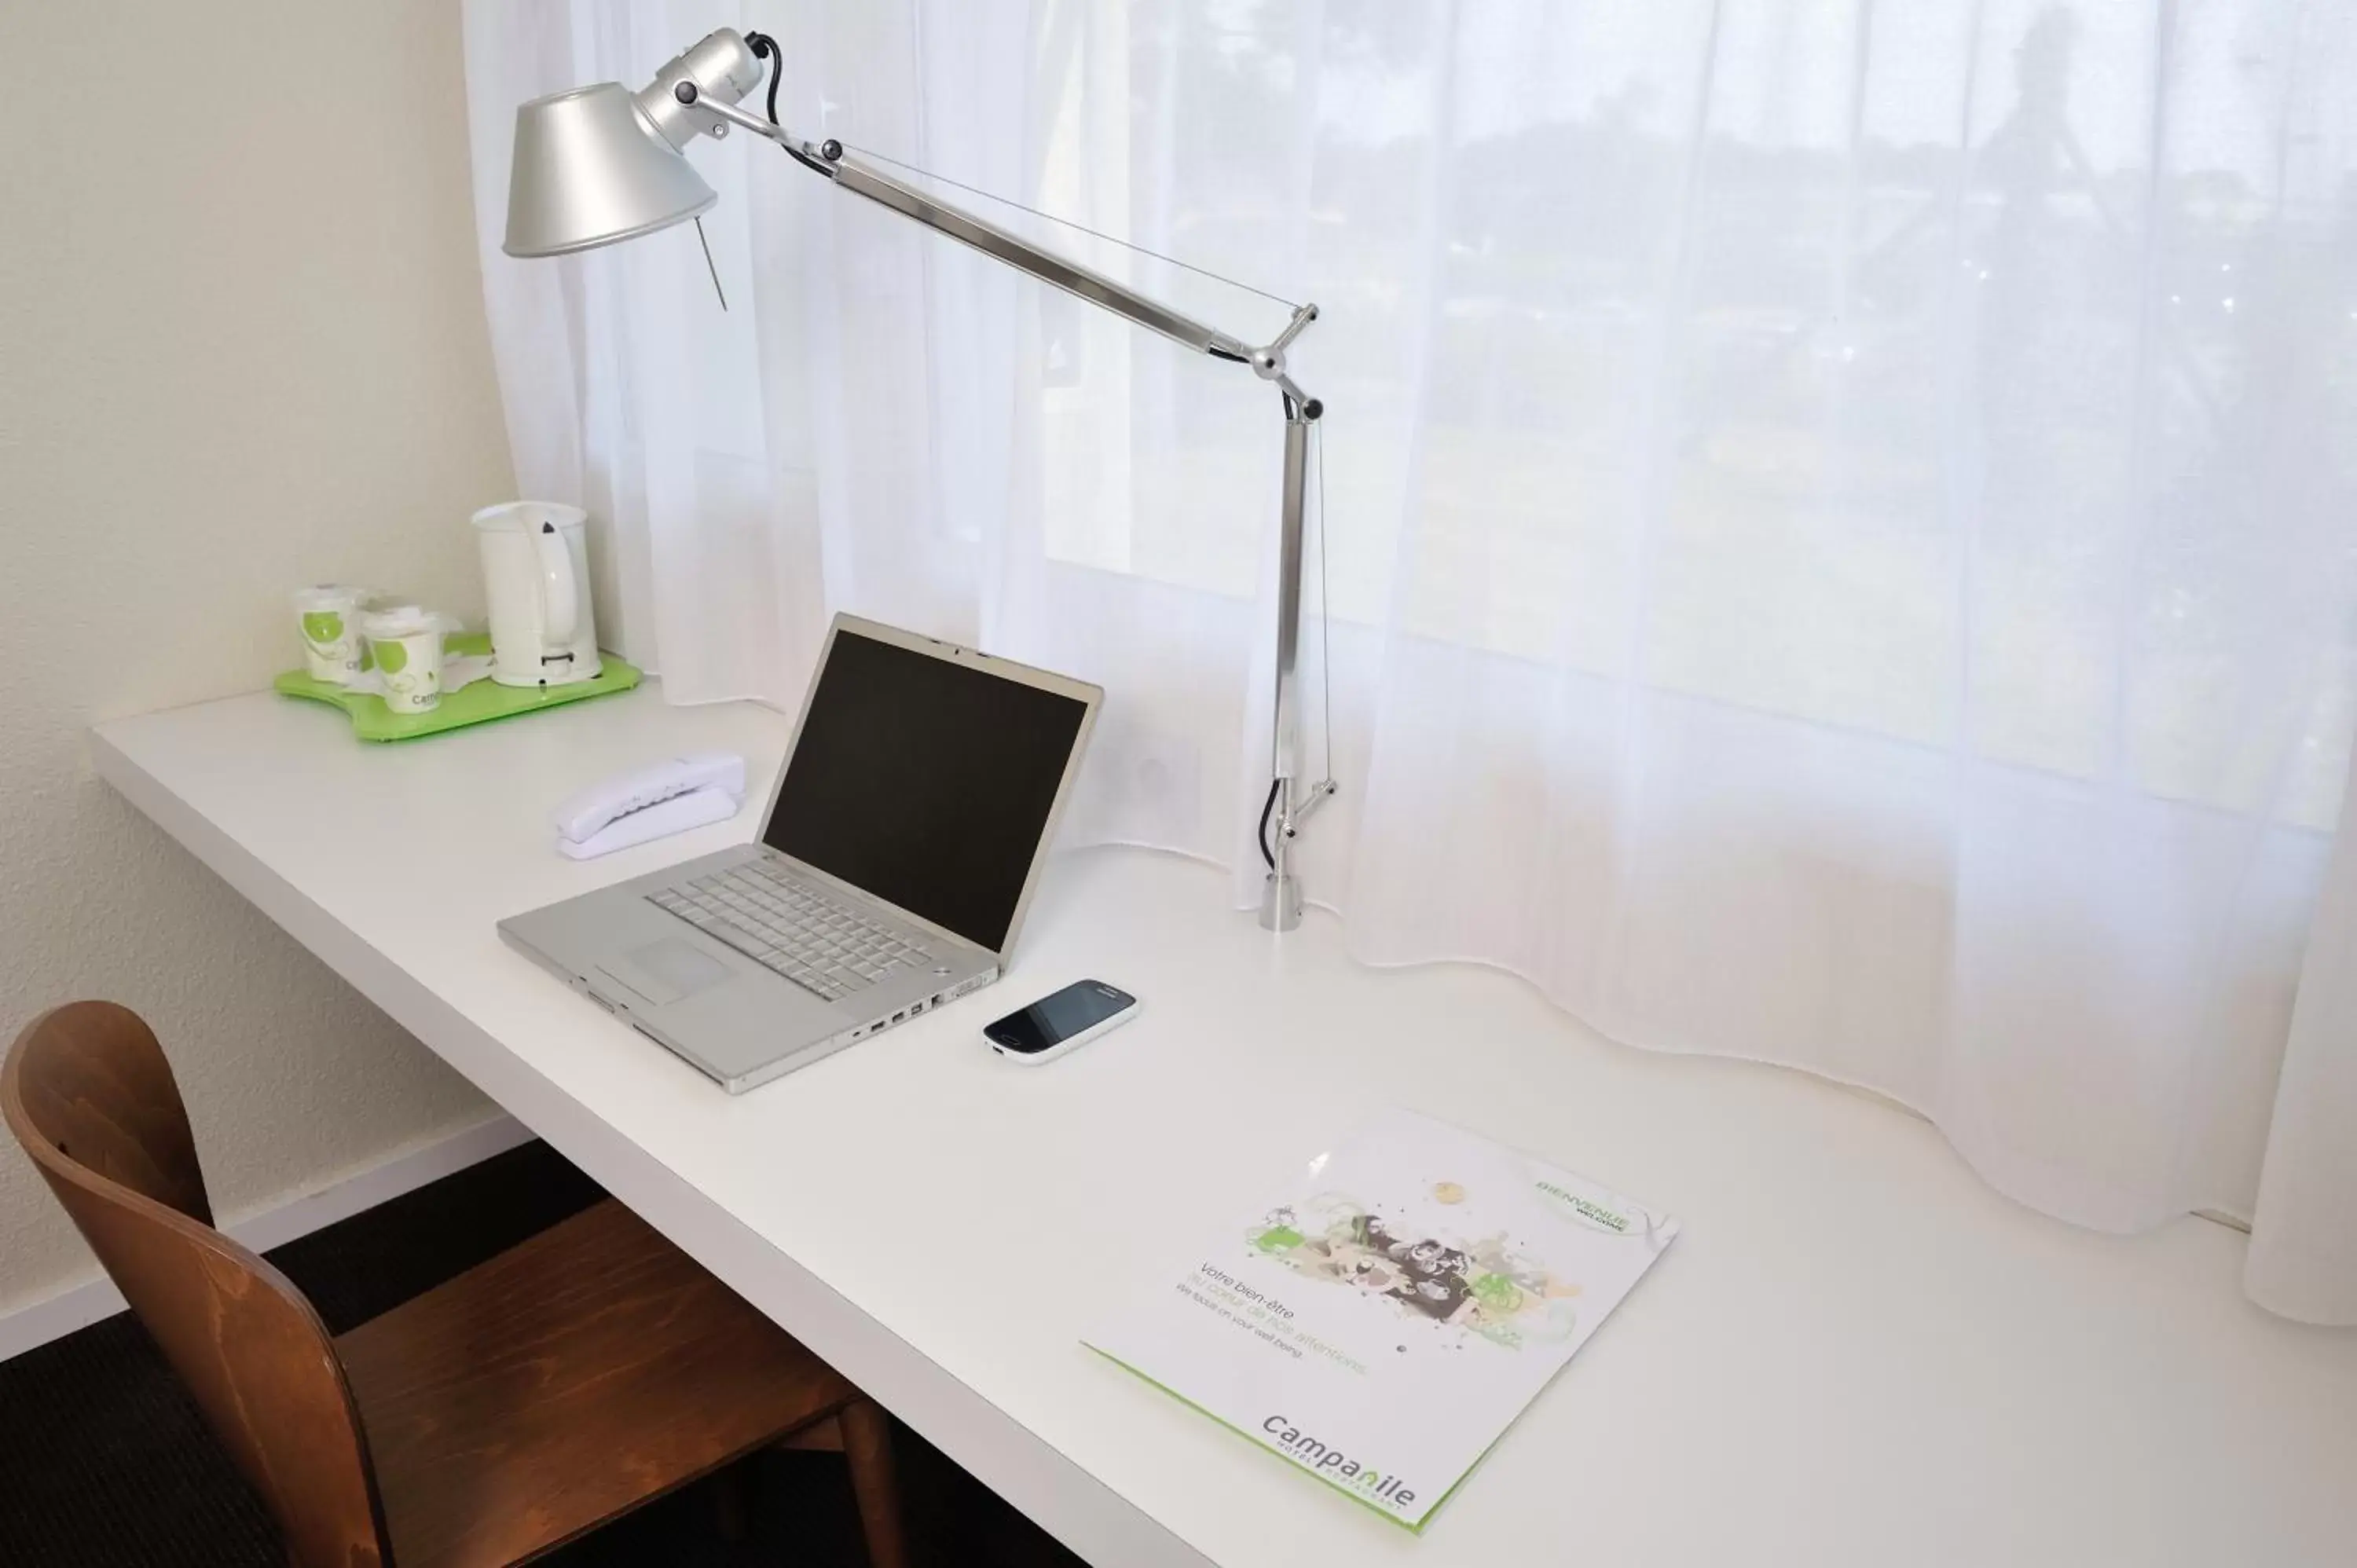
1840,510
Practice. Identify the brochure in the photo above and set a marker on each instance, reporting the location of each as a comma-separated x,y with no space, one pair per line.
1384,1324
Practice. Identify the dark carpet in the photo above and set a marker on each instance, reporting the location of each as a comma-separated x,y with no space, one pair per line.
103,1461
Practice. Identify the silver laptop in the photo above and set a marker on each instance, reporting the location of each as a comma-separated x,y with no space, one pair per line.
894,865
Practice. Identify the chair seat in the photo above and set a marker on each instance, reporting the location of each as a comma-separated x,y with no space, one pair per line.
563,1383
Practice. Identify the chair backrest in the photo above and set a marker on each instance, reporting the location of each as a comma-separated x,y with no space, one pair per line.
88,1093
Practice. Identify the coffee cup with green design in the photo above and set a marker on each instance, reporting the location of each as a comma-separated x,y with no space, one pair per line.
406,644
328,618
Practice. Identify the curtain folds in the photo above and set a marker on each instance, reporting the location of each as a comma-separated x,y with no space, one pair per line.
1838,540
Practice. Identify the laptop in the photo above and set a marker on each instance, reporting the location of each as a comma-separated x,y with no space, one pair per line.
894,865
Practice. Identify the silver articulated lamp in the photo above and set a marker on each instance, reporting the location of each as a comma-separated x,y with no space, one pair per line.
602,164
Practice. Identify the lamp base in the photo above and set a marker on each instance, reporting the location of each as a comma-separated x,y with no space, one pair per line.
1280,902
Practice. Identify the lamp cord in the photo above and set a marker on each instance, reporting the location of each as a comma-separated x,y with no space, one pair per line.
766,47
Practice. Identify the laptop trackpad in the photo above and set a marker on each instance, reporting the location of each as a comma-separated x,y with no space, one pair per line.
667,970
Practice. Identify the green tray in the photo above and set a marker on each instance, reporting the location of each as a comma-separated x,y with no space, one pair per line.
481,703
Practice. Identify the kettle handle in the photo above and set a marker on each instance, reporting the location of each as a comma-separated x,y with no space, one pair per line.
560,594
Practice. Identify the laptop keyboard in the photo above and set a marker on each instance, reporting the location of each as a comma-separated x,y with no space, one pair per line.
824,946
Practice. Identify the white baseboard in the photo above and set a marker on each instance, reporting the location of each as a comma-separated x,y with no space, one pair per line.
79,1305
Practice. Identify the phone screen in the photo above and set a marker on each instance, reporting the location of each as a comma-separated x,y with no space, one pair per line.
1053,1019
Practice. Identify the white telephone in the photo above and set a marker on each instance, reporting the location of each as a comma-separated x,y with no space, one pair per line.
668,796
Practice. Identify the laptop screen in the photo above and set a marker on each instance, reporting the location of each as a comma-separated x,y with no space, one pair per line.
925,781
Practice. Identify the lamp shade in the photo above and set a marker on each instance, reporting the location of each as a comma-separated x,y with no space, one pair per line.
591,169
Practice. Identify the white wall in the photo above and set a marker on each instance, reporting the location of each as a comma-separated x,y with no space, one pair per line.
241,347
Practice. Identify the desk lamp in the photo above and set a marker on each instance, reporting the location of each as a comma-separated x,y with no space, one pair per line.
602,164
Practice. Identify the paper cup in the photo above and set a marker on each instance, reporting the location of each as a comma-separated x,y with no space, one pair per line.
327,617
407,648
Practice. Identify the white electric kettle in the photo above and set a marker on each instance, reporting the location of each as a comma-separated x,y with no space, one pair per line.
536,580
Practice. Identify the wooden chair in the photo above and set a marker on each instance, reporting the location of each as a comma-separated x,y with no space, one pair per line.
560,1385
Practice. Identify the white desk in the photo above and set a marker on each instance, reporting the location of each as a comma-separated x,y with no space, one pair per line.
1855,1354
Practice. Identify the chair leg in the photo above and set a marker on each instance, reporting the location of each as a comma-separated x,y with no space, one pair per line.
868,1444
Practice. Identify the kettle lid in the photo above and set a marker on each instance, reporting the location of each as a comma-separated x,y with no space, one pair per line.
516,517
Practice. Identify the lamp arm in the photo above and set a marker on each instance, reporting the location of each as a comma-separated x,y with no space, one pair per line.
1291,803
864,180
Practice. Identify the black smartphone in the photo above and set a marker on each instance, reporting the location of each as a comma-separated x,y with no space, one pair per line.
1060,1022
